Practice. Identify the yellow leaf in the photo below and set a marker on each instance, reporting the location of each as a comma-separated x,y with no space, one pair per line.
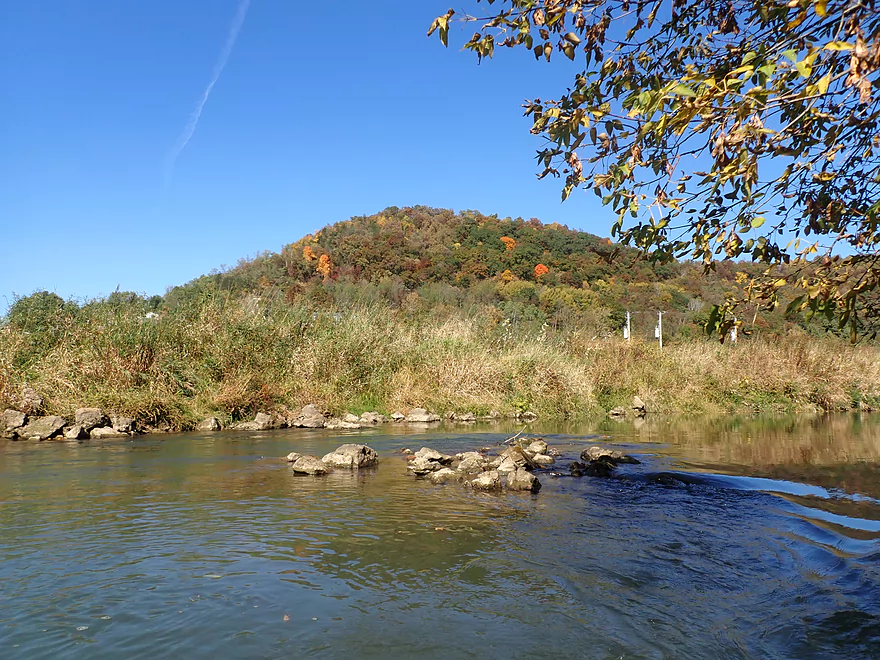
821,8
838,45
823,83
779,283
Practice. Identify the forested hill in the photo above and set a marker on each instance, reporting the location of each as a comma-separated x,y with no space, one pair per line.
420,258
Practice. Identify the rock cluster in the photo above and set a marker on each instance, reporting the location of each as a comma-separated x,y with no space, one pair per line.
508,471
345,457
87,423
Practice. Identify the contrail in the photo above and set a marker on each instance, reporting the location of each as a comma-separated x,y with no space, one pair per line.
193,122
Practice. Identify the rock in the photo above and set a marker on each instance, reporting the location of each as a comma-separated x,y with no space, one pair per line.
521,479
506,464
421,466
162,426
639,406
352,456
122,424
262,422
407,451
577,469
543,460
310,465
31,402
609,455
464,417
472,463
537,447
293,457
373,418
351,419
517,455
42,428
529,416
398,416
309,418
89,418
487,481
432,455
209,424
101,432
11,421
76,432
336,424
443,475
617,412
420,415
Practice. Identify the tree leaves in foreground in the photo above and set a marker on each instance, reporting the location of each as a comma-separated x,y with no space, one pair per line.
719,129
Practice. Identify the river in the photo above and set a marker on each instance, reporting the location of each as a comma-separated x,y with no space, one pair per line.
734,538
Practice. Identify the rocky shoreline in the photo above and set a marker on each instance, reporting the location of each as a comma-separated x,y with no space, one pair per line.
511,469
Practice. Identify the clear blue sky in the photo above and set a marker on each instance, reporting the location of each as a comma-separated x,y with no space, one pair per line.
341,110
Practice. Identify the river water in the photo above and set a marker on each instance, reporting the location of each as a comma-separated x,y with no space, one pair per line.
734,538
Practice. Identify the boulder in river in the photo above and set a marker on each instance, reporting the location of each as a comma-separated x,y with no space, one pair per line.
352,456
310,465
336,424
75,432
122,424
522,479
10,422
261,422
398,416
443,475
433,455
373,418
42,428
310,418
609,455
420,415
490,480
421,466
101,432
209,424
472,463
537,447
543,460
293,457
89,418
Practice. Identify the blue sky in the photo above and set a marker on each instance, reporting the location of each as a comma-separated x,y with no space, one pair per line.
318,115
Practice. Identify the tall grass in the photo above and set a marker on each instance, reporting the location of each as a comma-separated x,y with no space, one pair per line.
231,357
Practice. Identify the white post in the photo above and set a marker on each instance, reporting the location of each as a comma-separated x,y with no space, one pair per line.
627,331
660,329
733,332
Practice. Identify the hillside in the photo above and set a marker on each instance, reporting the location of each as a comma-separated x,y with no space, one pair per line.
420,258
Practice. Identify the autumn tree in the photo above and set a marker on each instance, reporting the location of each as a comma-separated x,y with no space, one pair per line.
718,129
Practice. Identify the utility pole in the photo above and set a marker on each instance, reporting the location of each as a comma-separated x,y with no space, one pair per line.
627,330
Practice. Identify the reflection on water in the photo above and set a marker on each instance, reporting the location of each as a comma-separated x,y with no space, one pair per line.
733,538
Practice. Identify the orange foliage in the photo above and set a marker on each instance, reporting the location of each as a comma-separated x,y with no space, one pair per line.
507,276
509,243
308,253
541,269
324,266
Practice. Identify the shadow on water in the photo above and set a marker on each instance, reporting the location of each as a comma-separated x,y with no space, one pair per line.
735,538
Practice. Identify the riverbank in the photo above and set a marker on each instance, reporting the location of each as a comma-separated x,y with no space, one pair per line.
230,360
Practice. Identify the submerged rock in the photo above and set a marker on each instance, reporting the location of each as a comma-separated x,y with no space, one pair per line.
336,424
521,479
209,424
310,465
89,418
352,456
42,428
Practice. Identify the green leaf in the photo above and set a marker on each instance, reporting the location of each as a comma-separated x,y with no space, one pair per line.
683,90
757,221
